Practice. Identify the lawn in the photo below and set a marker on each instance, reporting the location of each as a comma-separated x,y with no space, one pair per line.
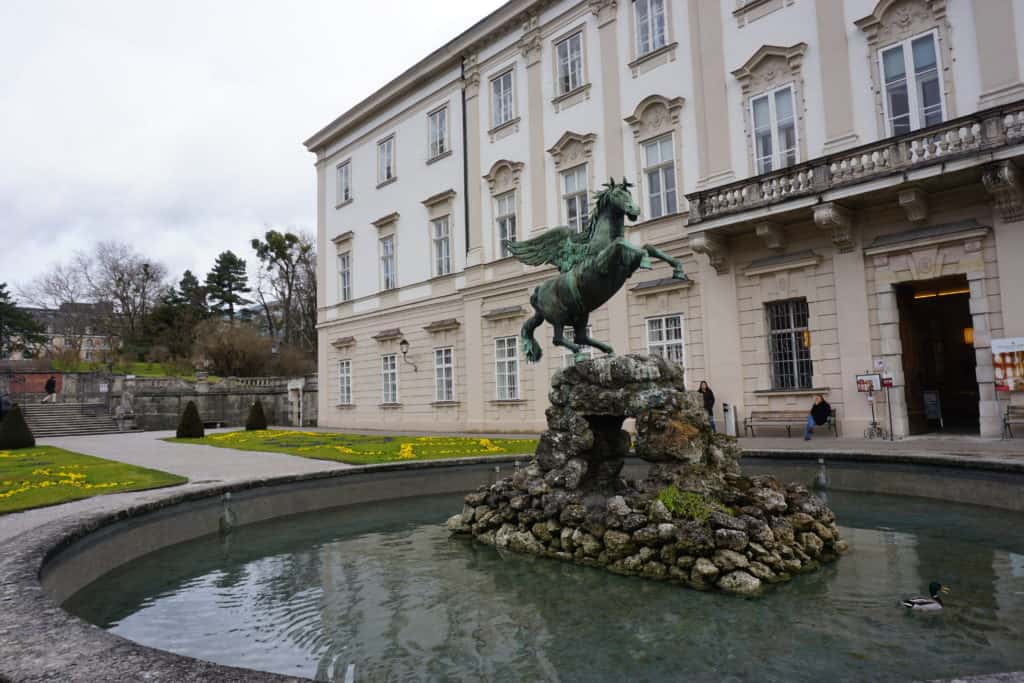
44,475
360,449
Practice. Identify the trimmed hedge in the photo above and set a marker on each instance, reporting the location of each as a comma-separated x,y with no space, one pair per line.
190,426
14,431
257,419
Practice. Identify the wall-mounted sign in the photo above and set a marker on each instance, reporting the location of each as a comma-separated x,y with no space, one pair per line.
869,382
886,379
879,364
1008,363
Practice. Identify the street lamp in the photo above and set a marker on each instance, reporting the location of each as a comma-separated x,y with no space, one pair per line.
403,346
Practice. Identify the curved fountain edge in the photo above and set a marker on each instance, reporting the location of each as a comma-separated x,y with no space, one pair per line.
41,641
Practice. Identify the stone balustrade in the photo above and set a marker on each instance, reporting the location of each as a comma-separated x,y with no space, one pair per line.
981,131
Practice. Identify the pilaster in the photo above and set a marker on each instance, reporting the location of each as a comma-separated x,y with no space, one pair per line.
837,87
531,46
606,12
471,83
711,102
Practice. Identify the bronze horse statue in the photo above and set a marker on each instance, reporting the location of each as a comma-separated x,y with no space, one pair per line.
594,264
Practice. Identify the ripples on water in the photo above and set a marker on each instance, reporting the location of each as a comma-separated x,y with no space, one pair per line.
383,587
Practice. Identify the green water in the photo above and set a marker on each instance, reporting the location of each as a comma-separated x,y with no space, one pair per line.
383,588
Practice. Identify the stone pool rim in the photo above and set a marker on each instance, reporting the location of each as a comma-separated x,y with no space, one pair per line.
39,640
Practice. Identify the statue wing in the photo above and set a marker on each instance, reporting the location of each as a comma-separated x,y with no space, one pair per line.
552,246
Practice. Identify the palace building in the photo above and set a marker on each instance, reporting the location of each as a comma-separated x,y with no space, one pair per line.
839,179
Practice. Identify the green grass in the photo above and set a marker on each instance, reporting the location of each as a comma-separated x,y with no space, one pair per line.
689,505
139,369
359,449
45,475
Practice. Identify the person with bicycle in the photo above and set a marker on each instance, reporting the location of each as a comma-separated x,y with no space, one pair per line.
818,416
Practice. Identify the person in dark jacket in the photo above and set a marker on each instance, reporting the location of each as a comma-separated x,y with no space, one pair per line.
709,403
818,416
51,390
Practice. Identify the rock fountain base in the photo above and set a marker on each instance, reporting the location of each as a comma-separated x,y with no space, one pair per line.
695,520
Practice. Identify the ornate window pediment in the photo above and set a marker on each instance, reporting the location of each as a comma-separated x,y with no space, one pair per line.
770,67
504,175
572,149
655,115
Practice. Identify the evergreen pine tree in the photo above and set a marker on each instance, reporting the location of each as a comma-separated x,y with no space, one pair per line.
19,331
257,419
226,283
190,426
14,431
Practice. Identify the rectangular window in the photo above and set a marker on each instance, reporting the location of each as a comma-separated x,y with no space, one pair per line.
505,217
506,368
574,196
501,99
660,170
650,25
569,57
389,378
437,125
440,236
789,344
345,276
386,160
568,357
444,374
388,276
344,382
344,182
774,129
665,337
913,92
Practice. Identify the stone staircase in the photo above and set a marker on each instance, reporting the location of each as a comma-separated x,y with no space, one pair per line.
68,419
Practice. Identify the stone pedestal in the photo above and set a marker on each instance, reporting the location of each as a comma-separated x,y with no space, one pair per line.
695,520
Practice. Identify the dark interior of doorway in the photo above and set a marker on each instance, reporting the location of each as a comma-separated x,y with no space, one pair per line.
937,335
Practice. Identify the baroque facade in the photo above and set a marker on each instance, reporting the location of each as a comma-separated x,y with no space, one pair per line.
839,179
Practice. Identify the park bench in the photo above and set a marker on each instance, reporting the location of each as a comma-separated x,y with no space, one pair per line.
783,418
1013,415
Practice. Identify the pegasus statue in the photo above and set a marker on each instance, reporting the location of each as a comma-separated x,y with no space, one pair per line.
593,264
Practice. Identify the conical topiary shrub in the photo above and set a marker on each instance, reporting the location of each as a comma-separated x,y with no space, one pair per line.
190,426
256,419
14,431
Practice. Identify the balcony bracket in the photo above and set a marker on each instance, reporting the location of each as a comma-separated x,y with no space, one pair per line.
838,219
1003,182
914,201
771,234
715,248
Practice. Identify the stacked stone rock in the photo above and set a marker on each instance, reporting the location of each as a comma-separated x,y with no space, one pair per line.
736,533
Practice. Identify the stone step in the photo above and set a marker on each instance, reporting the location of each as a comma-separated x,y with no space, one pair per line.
69,419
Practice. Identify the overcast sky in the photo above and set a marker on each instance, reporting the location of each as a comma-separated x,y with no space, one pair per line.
177,127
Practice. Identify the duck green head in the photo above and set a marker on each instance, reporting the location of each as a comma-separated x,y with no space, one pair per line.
935,589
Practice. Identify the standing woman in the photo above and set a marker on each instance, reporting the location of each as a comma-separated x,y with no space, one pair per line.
709,403
818,416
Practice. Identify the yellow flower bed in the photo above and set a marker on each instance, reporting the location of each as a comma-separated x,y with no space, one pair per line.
363,449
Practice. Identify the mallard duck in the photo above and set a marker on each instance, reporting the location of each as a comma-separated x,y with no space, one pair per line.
936,590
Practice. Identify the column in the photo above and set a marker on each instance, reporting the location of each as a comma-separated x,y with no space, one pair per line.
997,53
530,46
854,340
837,87
722,356
711,101
471,85
474,364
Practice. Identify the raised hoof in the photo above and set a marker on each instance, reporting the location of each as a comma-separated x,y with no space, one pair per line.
645,263
678,274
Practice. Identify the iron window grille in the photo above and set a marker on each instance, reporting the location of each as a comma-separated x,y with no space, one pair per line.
789,344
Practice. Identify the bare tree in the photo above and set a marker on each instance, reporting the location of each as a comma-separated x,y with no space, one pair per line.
118,274
63,289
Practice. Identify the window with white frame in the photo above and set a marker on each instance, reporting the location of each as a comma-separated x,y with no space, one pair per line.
442,242
344,182
345,276
660,171
505,217
437,126
501,99
665,337
506,368
574,197
789,344
386,160
913,88
650,25
773,114
569,58
344,382
568,357
388,276
389,378
444,374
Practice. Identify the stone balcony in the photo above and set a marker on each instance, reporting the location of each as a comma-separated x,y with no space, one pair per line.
980,145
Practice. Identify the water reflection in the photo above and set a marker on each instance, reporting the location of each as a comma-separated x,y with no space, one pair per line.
383,587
